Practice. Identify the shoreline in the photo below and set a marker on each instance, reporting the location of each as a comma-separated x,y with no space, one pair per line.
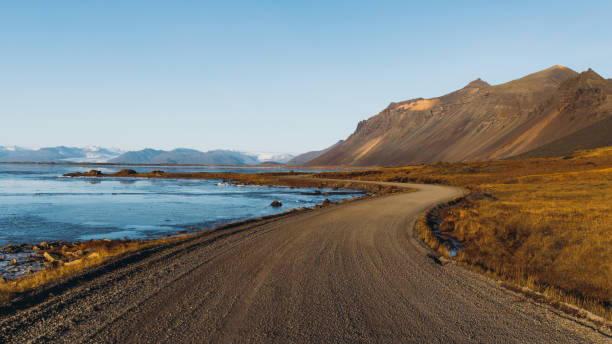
26,263
75,256
25,259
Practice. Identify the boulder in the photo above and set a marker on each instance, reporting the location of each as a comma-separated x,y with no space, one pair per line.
276,204
326,202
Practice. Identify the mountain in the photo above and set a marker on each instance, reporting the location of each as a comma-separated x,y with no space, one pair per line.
6,150
137,157
186,156
145,156
57,154
479,121
308,156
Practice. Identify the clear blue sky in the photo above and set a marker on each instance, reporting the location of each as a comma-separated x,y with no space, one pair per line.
286,76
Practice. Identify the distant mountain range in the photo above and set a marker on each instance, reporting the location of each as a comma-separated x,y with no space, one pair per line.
557,110
58,154
186,156
145,156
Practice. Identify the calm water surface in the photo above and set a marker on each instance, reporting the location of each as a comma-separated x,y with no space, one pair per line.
36,204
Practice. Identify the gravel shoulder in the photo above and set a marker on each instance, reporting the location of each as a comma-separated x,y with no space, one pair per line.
349,273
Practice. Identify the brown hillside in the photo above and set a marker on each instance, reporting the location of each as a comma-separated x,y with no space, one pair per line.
478,121
596,135
579,102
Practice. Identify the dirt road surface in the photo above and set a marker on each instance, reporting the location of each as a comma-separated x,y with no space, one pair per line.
351,273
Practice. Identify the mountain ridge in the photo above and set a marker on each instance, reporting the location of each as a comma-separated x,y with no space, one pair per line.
57,154
93,154
186,156
478,122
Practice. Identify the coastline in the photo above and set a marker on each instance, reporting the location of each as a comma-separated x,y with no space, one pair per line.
32,266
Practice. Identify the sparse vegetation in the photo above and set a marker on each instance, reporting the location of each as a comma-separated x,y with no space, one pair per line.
65,261
541,223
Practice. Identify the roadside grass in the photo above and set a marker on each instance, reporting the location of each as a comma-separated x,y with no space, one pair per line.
541,223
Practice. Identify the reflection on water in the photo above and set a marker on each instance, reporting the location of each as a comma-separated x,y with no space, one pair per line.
37,205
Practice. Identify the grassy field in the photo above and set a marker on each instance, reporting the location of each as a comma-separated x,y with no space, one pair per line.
542,223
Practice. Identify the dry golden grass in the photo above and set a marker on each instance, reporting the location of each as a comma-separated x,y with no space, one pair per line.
74,259
542,223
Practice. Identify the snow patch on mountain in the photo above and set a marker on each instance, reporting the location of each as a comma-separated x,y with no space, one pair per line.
267,156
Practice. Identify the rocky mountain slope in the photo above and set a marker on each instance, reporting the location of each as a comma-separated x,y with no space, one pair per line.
596,135
479,121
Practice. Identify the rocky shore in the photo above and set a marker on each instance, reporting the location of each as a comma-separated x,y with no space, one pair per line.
25,259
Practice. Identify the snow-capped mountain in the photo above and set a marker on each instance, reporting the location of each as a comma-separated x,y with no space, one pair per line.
11,148
278,157
58,154
145,156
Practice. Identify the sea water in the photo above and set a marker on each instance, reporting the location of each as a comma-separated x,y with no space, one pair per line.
38,204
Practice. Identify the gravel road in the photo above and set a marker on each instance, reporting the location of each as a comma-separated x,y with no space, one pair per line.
351,273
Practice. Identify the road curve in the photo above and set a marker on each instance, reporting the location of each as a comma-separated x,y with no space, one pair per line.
349,273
